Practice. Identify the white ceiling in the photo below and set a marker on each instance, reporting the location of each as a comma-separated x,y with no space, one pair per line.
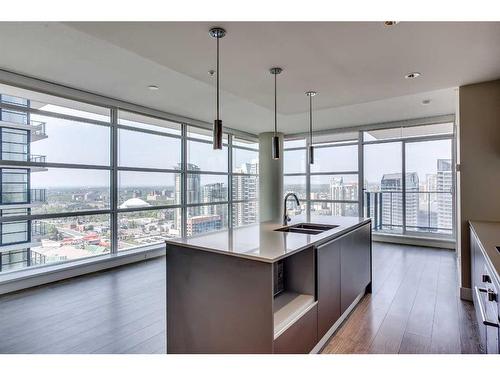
357,68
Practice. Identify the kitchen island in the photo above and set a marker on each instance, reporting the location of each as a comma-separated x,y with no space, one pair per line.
265,289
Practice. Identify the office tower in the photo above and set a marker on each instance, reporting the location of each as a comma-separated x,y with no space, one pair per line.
392,198
427,213
193,191
444,185
17,132
340,190
193,188
431,182
215,192
427,217
245,188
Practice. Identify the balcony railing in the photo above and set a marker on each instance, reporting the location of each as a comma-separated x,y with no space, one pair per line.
38,158
426,211
37,258
38,229
38,195
22,258
39,128
20,117
23,156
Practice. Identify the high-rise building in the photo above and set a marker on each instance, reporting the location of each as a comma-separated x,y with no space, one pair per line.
392,197
340,190
17,238
427,213
215,192
245,188
431,182
444,185
193,190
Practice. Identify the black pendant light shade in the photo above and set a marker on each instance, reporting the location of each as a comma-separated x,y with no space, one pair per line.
310,94
276,140
276,147
217,33
217,135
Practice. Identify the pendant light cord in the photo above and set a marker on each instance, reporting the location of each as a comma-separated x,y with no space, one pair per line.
310,120
275,108
217,72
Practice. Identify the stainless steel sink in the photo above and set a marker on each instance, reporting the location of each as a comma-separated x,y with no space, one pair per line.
307,228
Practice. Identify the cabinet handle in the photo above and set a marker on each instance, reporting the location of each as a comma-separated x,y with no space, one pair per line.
486,322
492,296
486,278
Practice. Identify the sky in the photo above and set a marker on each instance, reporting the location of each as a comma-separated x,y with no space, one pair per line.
81,143
379,159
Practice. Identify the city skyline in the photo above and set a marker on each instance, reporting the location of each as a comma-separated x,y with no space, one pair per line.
45,190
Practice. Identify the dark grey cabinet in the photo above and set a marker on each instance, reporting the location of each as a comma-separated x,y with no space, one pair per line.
328,285
344,272
301,337
355,265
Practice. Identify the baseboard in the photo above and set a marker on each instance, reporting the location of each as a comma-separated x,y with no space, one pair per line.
466,294
415,241
29,278
321,343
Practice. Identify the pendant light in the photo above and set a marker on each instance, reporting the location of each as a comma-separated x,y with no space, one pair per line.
310,94
217,33
276,140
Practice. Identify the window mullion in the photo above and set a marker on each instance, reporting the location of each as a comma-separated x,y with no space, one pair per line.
230,181
114,181
183,186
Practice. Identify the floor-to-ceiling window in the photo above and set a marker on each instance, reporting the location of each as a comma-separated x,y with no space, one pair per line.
334,176
148,168
80,180
245,181
295,176
55,179
420,204
329,186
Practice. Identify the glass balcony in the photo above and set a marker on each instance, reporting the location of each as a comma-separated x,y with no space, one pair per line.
38,229
38,195
429,212
13,197
22,258
37,258
38,158
39,128
23,156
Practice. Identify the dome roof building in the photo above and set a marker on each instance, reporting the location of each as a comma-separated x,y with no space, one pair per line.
134,203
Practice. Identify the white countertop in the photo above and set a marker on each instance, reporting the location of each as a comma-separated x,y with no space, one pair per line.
261,241
488,233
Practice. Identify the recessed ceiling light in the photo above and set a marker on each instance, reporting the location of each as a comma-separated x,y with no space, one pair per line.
153,87
390,23
211,72
413,75
426,102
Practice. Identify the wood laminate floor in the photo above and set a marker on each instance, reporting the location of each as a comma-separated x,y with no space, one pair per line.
414,308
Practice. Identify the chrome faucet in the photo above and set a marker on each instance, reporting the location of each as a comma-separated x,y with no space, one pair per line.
287,218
